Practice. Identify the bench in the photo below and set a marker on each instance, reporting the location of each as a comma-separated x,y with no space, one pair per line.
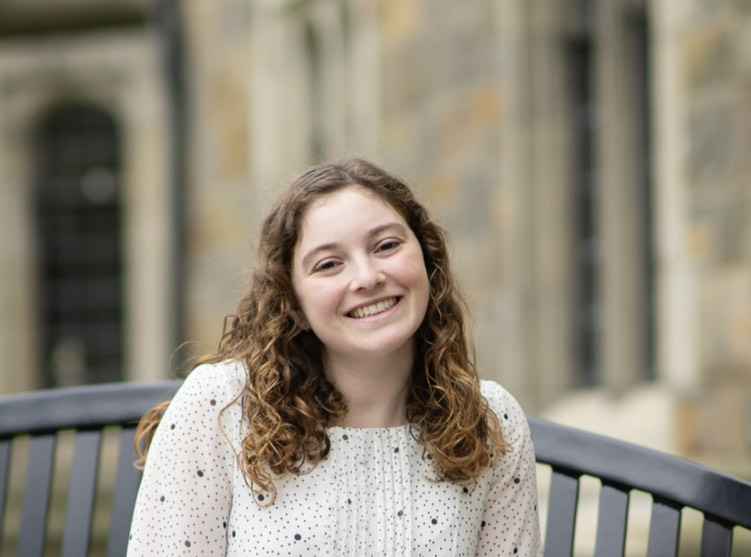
674,483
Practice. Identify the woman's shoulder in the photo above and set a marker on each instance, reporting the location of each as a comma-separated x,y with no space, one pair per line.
210,395
504,405
221,381
496,394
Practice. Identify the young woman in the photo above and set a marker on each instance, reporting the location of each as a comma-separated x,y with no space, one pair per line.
342,413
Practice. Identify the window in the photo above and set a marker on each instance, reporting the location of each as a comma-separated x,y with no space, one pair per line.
603,183
78,221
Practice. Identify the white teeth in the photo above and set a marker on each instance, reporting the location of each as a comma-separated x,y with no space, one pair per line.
372,309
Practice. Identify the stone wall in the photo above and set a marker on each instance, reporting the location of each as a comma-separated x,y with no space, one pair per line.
470,107
221,198
715,67
443,112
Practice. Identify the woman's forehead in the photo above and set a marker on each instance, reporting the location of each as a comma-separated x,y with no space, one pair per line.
345,215
343,210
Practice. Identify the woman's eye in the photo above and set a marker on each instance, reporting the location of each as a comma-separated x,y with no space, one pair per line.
388,245
325,265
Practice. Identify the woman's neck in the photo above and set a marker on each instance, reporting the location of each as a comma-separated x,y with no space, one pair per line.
375,389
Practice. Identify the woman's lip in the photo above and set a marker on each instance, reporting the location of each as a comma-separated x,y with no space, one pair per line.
376,315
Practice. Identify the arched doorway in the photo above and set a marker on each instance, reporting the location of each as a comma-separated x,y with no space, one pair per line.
78,216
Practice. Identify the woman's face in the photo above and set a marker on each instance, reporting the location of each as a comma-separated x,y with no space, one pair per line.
359,274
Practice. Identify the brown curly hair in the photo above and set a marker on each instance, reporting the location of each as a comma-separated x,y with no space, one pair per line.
287,400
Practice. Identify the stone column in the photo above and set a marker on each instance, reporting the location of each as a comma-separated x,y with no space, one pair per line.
148,233
513,204
18,341
364,80
677,279
533,203
622,277
326,24
553,197
280,103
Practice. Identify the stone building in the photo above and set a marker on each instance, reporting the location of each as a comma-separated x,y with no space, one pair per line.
588,158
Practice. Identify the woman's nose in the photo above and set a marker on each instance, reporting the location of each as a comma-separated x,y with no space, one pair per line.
367,277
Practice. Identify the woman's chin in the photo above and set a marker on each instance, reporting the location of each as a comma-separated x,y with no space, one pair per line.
377,347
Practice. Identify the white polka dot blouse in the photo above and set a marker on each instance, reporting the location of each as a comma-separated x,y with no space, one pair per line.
374,495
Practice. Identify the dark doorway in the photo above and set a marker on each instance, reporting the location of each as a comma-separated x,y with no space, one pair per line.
78,210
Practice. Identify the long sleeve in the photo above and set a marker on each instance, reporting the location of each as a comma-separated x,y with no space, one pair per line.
185,495
510,525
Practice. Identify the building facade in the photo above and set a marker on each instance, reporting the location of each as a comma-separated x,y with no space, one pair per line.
588,158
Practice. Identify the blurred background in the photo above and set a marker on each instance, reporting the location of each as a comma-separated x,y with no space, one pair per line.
589,158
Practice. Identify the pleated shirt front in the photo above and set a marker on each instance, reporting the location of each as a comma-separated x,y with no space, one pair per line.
375,494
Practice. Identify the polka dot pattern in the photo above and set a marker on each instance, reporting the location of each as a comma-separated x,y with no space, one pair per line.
375,494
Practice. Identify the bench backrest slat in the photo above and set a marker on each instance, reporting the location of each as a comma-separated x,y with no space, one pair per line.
716,538
664,529
81,494
564,496
128,480
5,452
33,531
612,520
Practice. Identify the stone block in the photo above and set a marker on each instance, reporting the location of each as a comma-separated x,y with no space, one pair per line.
687,419
401,20
723,420
709,54
726,323
714,155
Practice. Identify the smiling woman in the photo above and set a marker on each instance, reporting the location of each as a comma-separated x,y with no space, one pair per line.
342,413
360,280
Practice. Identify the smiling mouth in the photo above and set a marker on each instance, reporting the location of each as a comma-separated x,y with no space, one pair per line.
373,309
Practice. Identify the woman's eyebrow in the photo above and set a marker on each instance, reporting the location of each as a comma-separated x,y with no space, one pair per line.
384,227
314,251
397,227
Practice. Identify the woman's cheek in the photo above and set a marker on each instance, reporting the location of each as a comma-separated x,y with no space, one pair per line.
413,267
328,295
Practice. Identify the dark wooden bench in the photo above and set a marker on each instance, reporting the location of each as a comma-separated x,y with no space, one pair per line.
673,483
87,410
